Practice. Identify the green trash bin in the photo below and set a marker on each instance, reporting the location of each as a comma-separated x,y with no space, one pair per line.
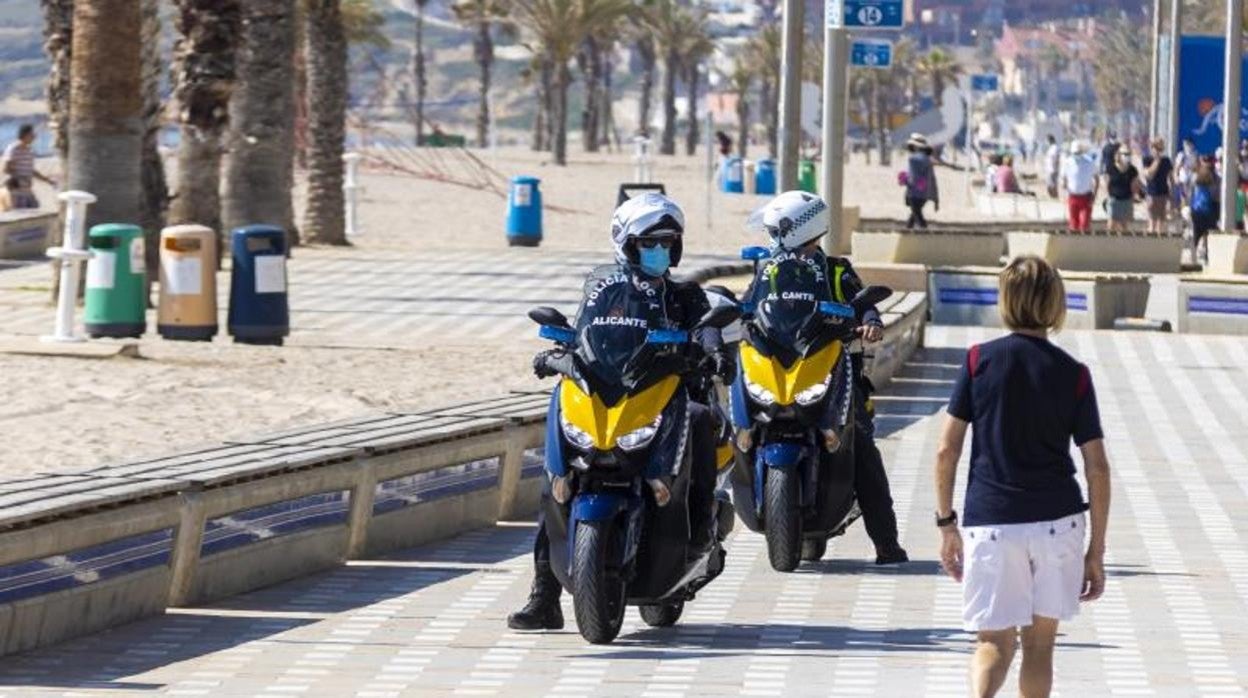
806,177
115,301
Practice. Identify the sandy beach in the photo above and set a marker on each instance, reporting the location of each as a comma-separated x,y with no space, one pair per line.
64,414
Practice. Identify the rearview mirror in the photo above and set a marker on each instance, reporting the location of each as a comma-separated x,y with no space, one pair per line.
720,316
870,296
721,291
547,316
755,254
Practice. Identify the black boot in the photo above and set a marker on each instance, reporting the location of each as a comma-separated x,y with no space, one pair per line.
891,555
542,612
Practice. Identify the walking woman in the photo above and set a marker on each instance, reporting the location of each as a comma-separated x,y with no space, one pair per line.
1020,554
920,180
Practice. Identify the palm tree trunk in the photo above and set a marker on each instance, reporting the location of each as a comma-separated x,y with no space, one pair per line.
106,108
593,95
418,72
670,67
484,50
155,188
542,121
771,116
938,88
324,219
563,78
646,50
743,124
691,106
58,23
204,70
608,104
259,146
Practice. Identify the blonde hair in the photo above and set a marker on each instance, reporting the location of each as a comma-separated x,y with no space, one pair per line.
1032,295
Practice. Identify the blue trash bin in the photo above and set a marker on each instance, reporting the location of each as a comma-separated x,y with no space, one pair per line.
259,304
524,212
732,175
765,177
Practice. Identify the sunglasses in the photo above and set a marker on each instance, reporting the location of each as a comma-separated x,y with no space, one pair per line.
651,243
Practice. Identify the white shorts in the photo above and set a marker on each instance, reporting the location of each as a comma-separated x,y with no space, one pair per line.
1015,571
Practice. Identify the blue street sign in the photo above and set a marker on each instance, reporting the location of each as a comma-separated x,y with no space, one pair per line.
871,53
986,82
873,14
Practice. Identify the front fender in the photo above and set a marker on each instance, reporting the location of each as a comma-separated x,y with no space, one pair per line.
782,455
597,507
606,507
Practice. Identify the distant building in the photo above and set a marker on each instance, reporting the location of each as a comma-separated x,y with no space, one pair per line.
951,21
1047,65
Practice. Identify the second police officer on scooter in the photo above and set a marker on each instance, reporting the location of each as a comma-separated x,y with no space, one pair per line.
795,221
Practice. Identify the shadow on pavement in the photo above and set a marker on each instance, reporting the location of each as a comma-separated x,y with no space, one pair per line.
920,389
104,660
853,568
716,640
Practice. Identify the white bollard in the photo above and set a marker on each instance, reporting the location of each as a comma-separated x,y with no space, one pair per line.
351,189
641,159
72,253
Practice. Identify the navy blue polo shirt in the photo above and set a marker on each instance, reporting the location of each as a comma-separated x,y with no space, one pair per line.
1025,399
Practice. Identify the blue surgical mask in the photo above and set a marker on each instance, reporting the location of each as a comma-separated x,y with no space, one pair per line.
654,260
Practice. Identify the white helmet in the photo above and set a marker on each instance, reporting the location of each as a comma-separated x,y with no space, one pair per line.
792,219
648,215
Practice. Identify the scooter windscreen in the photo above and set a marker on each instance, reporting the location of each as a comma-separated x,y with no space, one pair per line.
787,293
612,328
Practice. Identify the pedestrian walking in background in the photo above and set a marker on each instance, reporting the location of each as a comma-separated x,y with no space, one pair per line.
19,170
1081,184
1158,184
1204,208
1052,166
1122,185
1020,554
1108,149
1185,163
920,180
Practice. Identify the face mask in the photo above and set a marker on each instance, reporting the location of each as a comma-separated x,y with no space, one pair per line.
654,260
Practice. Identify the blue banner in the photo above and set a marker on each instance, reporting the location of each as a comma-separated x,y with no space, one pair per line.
1202,72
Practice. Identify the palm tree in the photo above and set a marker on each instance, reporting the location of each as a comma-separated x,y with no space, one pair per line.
155,187
559,27
740,79
940,68
324,220
106,107
58,16
648,56
259,160
204,78
699,46
419,78
667,22
481,16
763,52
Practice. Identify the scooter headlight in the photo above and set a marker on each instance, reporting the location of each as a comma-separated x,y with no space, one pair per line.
575,435
758,393
640,438
812,394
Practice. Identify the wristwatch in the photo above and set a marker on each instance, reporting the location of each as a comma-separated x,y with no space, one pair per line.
950,520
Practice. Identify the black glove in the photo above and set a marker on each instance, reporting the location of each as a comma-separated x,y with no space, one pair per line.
541,364
725,366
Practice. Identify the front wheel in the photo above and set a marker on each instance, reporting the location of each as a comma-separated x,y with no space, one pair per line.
597,595
782,519
662,615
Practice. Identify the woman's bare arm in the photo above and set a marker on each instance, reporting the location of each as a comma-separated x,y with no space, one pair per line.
1096,469
948,452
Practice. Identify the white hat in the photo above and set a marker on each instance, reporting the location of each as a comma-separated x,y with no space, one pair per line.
1078,147
917,140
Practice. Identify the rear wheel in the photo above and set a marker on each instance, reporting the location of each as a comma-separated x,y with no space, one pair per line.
597,595
783,519
813,549
662,615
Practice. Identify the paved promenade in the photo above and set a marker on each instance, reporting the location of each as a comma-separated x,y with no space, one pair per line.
430,622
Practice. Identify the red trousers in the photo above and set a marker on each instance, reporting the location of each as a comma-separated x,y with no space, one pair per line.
1079,209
